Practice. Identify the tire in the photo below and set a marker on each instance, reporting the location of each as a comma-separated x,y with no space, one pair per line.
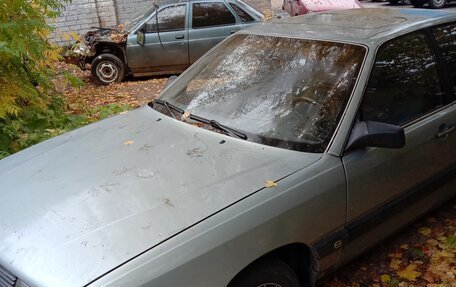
269,273
417,3
394,2
107,69
437,4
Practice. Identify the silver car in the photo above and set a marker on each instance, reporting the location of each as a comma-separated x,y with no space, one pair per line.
289,149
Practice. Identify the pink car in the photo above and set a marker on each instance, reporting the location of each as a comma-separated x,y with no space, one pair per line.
299,7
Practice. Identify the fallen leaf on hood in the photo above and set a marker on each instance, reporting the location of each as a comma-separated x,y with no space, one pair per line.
270,183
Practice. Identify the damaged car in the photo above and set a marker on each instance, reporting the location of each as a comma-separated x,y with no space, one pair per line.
283,153
166,39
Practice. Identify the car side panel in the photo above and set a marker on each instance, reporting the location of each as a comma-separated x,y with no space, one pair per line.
155,57
164,51
303,206
376,177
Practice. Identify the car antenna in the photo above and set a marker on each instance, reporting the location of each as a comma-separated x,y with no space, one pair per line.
156,21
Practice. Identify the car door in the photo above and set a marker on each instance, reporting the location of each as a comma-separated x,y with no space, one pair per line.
210,23
166,48
388,188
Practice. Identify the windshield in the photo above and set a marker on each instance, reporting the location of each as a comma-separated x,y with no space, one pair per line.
129,25
282,92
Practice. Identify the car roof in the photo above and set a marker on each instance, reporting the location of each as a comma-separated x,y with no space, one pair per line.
368,26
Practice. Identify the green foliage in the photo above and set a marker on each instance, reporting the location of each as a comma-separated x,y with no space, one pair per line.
28,105
25,54
32,127
451,241
103,112
73,80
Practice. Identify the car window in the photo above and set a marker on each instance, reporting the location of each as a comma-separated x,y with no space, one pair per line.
211,14
446,39
169,19
245,17
404,84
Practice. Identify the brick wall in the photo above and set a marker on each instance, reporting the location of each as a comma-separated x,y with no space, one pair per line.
80,15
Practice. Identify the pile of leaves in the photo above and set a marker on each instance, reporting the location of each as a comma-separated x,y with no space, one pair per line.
423,255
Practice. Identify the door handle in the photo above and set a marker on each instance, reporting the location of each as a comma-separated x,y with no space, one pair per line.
444,131
180,36
233,31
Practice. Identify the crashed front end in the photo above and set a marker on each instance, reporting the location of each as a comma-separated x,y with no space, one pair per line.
91,43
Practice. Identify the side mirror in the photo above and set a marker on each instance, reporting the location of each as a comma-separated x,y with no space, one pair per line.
141,37
376,134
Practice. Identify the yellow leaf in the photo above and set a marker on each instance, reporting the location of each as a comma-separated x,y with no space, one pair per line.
404,246
385,278
186,115
395,264
128,142
270,183
432,242
409,273
74,35
395,255
425,231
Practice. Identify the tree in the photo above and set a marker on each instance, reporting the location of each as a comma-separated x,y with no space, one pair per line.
26,91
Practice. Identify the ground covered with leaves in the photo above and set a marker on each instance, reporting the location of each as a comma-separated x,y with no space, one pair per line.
422,255
83,96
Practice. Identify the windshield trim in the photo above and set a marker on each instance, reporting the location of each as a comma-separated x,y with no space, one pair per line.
357,87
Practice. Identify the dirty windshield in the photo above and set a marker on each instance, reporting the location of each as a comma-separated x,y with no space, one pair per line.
283,92
130,24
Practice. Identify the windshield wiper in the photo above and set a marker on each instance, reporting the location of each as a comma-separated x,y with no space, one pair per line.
170,107
215,124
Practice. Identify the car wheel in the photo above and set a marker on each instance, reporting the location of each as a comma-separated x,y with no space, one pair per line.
107,69
394,2
270,273
417,3
437,4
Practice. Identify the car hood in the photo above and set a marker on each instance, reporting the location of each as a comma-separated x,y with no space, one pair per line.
77,206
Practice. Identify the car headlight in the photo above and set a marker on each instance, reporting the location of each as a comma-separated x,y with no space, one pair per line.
82,50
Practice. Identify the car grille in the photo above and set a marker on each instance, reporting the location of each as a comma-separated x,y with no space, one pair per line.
6,278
